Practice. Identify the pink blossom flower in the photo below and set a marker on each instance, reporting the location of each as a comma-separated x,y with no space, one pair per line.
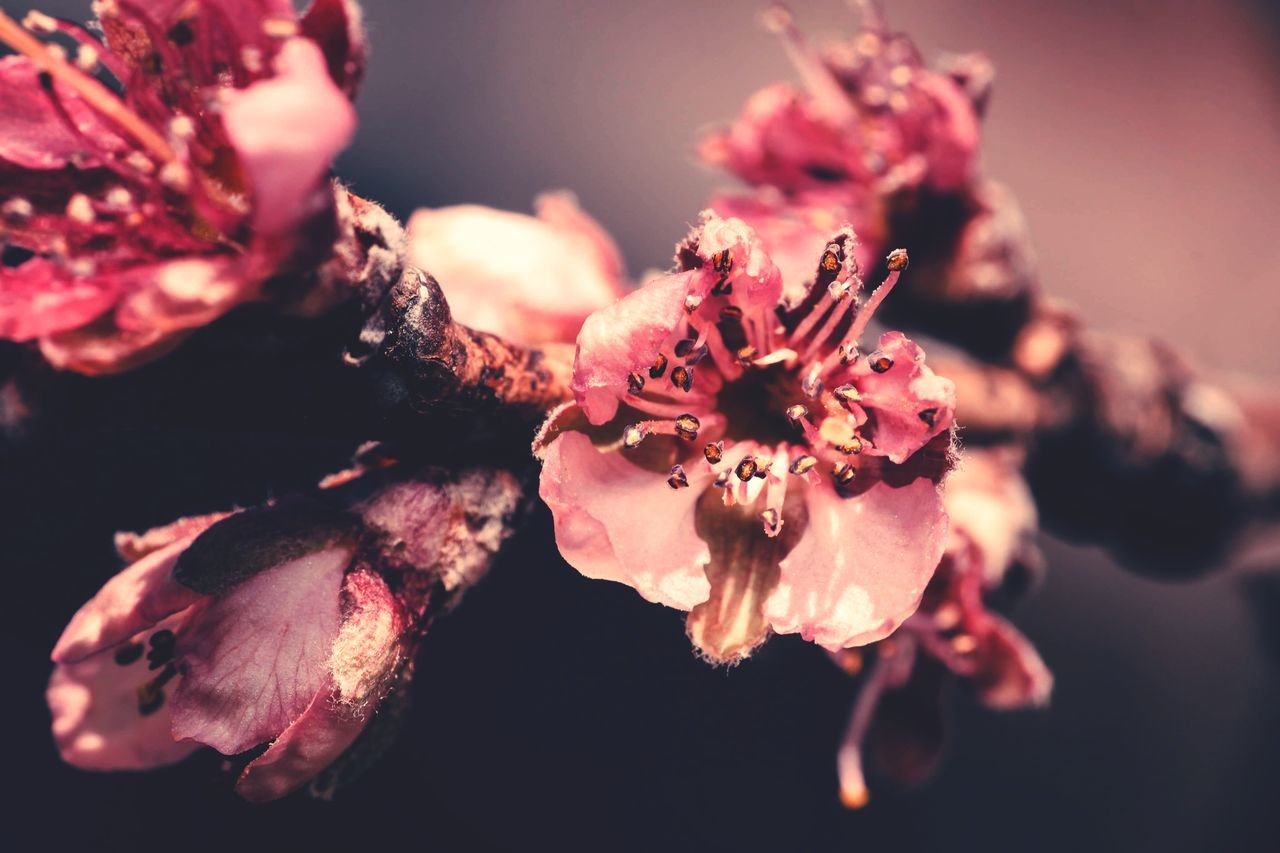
529,279
196,188
733,453
953,634
287,624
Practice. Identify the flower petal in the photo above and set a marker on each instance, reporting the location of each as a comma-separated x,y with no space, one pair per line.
862,564
1010,673
616,521
622,338
286,130
909,403
256,658
337,26
32,134
38,298
989,502
99,722
528,280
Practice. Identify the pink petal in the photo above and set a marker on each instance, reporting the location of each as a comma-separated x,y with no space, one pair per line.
132,601
757,283
183,294
337,26
97,720
909,403
257,657
988,502
616,521
286,130
38,298
622,338
952,145
368,650
32,135
862,564
103,349
528,280
1010,672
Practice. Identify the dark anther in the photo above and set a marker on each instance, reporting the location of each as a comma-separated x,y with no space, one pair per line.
128,653
632,436
745,355
163,637
762,468
150,699
880,362
714,452
847,394
848,352
803,464
687,427
843,472
181,34
830,262
659,366
853,446
635,382
811,385
684,346
731,312
772,521
678,479
746,468
797,412
723,287
898,260
46,80
682,377
929,416
722,262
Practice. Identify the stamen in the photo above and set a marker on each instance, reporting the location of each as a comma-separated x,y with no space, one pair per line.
880,362
682,377
797,412
128,653
687,427
678,478
843,473
772,521
929,416
722,261
731,312
714,452
822,84
811,383
803,465
633,435
659,367
96,95
897,262
692,302
746,469
852,447
847,394
847,353
635,383
745,354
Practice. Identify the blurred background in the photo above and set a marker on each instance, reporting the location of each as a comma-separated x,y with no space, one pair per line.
1143,140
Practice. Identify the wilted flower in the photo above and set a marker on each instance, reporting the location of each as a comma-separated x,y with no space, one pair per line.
193,185
287,624
530,279
953,634
733,453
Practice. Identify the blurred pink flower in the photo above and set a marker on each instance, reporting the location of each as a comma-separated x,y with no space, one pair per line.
732,452
993,522
153,211
288,624
529,279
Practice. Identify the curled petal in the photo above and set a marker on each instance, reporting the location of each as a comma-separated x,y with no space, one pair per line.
132,601
105,718
530,280
622,338
862,564
1010,673
286,130
258,655
757,281
908,402
38,298
989,502
952,145
616,521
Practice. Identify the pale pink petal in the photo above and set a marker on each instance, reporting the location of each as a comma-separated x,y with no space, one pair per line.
257,657
98,720
183,294
862,564
38,298
1010,673
622,338
989,502
616,521
909,404
530,280
132,601
286,130
365,656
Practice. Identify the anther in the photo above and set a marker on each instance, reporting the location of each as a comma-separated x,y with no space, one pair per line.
687,427
722,480
847,352
811,384
682,377
128,653
678,479
964,643
17,209
848,394
929,416
772,521
803,465
150,699
731,312
723,287
692,302
880,362
843,472
745,355
797,412
714,452
746,469
722,261
80,209
633,435
830,262
852,447
181,34
897,260
762,467
659,366
635,382
684,346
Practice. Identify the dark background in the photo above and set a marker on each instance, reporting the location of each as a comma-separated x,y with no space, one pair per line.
556,712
